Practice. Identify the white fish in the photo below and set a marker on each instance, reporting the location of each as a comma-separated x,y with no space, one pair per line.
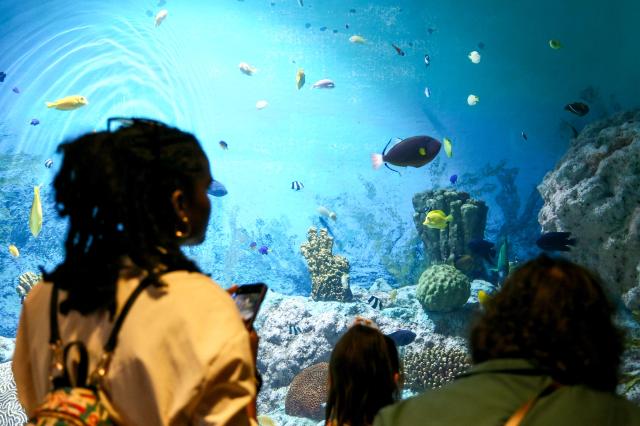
344,280
262,104
427,92
247,69
474,57
473,100
357,39
323,211
325,83
160,16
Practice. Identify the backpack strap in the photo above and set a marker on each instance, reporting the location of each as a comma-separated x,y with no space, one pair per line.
516,418
59,376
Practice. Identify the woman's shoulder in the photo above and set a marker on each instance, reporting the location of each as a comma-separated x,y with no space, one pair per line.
197,288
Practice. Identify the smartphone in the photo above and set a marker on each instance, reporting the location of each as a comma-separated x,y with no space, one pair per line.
248,298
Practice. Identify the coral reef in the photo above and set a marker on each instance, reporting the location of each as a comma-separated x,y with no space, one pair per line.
433,367
443,288
11,412
7,346
593,192
296,332
308,392
327,270
469,221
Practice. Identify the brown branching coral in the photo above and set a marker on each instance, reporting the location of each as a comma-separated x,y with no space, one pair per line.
433,367
307,392
329,273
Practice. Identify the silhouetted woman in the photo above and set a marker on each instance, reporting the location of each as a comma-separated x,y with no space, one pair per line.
133,197
546,352
364,372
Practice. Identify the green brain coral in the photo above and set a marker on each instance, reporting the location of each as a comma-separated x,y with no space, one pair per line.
443,288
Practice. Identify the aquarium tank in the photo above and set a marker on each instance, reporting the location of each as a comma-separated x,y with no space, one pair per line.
369,154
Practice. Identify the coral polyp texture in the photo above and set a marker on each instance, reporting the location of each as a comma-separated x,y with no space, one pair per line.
469,221
308,392
593,193
11,412
442,288
434,367
329,272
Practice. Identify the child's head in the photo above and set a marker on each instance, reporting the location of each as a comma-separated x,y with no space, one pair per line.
363,376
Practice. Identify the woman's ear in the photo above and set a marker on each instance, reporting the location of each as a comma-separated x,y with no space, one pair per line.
179,203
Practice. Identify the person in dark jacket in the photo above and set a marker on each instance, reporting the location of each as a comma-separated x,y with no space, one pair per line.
545,352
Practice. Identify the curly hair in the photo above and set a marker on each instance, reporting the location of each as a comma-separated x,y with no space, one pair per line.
556,314
115,188
361,371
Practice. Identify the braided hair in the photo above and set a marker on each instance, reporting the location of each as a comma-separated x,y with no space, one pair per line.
115,188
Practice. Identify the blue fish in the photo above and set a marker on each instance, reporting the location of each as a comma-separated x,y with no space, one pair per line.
556,241
323,28
352,11
217,189
3,75
263,250
402,337
307,25
16,90
149,13
34,122
296,185
48,163
453,179
483,248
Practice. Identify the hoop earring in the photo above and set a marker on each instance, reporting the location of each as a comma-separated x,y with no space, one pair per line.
187,231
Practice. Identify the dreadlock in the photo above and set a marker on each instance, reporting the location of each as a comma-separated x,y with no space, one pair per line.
116,188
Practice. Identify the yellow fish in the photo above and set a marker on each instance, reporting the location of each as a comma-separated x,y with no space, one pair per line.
68,103
300,78
483,297
437,219
35,218
14,251
448,147
357,39
266,421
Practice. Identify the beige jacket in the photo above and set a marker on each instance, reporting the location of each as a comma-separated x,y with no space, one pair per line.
182,357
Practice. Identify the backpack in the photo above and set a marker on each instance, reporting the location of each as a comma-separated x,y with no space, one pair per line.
78,404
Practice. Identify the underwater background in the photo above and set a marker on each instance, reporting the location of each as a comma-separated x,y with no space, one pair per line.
410,73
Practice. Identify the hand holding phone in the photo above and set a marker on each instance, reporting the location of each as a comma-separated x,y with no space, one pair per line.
248,298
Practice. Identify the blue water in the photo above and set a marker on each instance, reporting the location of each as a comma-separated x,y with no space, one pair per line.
185,72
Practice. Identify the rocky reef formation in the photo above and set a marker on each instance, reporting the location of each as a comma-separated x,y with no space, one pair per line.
442,288
308,392
469,221
593,192
434,366
329,272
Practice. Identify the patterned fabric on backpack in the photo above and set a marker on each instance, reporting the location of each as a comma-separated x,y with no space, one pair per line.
77,402
71,406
